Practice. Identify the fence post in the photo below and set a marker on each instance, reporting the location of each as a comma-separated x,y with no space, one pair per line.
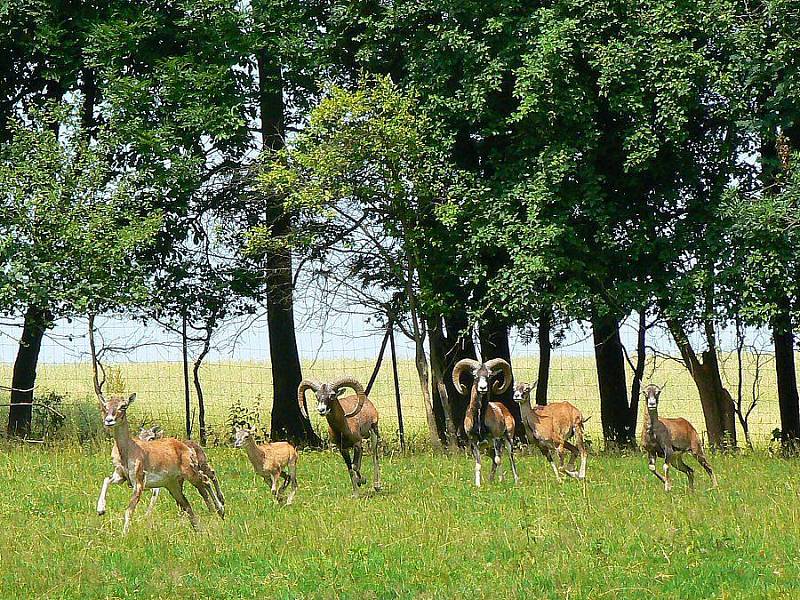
186,395
401,429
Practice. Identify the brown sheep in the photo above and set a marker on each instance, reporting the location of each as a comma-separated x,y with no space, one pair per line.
484,416
271,461
551,427
350,420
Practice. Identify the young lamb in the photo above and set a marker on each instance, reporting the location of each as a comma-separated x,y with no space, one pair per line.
551,427
147,434
271,461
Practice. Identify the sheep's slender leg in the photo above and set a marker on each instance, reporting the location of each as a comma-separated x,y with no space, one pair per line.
510,447
176,491
570,470
375,440
548,453
274,487
203,485
349,463
212,476
678,463
651,464
579,442
138,488
476,454
704,463
358,454
498,451
153,500
667,480
115,479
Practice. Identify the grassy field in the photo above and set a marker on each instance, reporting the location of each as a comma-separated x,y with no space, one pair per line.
573,378
428,534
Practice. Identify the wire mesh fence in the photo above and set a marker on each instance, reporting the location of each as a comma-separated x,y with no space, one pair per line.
147,359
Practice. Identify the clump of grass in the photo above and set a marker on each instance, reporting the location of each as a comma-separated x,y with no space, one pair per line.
429,534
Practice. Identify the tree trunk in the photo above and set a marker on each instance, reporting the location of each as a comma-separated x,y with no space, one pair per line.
201,404
619,426
439,370
24,375
786,376
494,344
638,369
717,403
545,348
287,421
461,346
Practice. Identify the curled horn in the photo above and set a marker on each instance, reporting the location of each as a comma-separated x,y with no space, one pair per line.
463,365
306,384
351,382
500,364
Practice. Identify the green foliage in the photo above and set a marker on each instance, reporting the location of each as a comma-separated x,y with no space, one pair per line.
241,416
71,230
364,180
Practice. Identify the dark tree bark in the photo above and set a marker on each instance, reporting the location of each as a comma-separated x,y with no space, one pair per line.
619,421
287,421
788,400
716,400
494,344
545,348
442,399
23,378
638,368
459,345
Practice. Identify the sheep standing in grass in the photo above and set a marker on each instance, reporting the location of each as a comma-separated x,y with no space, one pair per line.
272,461
485,417
671,438
551,428
350,420
148,434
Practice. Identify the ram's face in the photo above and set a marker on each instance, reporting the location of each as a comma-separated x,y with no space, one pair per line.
482,379
150,433
240,438
325,398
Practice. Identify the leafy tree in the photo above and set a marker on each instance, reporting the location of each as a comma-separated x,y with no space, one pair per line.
71,236
364,181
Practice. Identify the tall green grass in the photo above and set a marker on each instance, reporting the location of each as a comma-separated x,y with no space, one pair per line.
429,534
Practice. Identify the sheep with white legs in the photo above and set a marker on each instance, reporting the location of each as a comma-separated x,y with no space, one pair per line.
486,417
350,420
551,428
271,461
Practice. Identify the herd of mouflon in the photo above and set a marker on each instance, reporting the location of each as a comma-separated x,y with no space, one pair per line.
151,461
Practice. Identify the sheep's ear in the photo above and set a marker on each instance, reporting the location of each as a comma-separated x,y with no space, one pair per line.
131,398
339,392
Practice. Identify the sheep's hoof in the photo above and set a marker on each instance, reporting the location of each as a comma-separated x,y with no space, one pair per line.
362,481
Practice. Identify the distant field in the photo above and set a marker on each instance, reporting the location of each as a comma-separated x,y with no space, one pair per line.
429,534
160,389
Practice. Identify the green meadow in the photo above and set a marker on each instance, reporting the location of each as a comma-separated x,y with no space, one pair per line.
429,534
